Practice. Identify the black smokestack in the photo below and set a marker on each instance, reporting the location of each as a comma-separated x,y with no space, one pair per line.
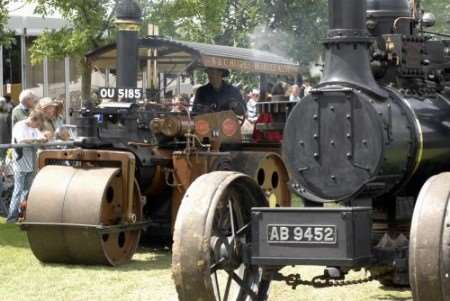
128,21
347,47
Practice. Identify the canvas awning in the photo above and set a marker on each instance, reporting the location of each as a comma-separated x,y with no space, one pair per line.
175,57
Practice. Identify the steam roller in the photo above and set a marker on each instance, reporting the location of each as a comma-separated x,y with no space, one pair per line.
87,212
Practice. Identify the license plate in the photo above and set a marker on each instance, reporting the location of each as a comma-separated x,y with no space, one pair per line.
301,234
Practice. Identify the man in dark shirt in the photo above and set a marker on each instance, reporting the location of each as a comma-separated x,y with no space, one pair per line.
218,95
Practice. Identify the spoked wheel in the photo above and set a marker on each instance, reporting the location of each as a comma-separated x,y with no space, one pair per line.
65,206
212,232
429,248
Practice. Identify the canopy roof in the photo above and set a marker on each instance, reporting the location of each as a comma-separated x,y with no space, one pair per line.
178,56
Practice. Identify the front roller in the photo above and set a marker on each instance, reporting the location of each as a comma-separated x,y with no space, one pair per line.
75,215
212,233
429,248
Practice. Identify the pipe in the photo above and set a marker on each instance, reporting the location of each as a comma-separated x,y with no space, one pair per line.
347,59
128,21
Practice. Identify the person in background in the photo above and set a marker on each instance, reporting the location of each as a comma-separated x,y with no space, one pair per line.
295,93
24,131
5,125
180,103
307,87
192,99
218,95
27,101
279,92
53,122
252,115
8,106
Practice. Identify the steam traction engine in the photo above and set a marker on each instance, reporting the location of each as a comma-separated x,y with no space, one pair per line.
130,170
369,148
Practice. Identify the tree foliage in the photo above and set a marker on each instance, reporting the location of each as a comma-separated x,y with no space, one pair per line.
287,27
441,9
89,26
292,28
5,35
89,22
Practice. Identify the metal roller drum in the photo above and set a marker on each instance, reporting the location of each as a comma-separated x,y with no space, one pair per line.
72,214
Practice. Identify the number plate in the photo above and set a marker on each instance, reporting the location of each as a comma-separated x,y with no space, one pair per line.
113,93
301,234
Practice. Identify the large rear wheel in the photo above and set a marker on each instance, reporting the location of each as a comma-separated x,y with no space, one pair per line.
211,237
429,248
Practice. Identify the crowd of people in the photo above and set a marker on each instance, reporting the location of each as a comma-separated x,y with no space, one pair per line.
33,120
219,95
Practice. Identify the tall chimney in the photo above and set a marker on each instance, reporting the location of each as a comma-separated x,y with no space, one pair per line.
128,21
347,47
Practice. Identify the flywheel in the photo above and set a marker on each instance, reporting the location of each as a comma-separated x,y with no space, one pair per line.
212,232
429,248
269,172
69,210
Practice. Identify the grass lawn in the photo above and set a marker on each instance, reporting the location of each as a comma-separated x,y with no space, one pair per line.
147,277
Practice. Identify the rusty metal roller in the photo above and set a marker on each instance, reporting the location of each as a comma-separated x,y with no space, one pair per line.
67,208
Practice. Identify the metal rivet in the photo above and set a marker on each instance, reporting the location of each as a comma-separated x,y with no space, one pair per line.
333,177
349,155
364,141
332,142
332,108
316,155
315,116
349,135
348,116
316,136
301,142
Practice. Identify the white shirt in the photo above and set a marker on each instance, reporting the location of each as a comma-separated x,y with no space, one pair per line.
308,90
24,159
251,110
294,98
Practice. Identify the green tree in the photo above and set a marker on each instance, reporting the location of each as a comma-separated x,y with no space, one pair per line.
287,27
90,26
5,35
295,28
441,9
224,22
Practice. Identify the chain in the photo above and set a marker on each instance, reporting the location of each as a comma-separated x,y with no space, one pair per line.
323,281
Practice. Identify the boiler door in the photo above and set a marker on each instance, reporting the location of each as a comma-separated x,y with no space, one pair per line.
333,143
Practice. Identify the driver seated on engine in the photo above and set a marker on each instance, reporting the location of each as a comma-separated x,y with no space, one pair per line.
218,95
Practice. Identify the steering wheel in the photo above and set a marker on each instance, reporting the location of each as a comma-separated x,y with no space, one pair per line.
238,108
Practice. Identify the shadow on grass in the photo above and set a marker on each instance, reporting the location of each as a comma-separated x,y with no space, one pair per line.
391,294
147,258
390,297
144,260
12,236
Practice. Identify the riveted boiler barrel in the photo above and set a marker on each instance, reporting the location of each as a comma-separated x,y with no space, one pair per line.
350,143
